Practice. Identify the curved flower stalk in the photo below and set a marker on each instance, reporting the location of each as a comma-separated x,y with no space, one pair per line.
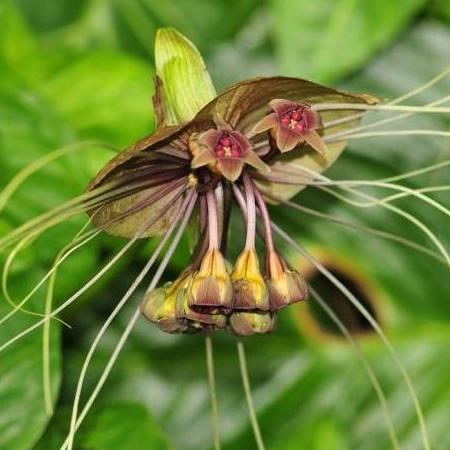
261,141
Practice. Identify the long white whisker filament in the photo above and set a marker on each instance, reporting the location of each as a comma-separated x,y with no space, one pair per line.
178,187
66,252
249,397
419,224
400,133
50,218
80,292
405,193
402,176
357,226
395,101
46,369
67,210
365,362
422,88
382,107
212,392
382,121
370,319
396,187
388,206
187,209
38,164
417,172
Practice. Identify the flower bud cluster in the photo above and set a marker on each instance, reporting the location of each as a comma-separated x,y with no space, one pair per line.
214,296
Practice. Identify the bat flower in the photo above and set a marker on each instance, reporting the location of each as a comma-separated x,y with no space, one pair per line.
209,183
210,156
291,124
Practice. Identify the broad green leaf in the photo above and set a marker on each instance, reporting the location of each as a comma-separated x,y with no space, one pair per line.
50,14
205,23
132,24
325,40
441,8
104,95
187,85
18,47
123,426
22,413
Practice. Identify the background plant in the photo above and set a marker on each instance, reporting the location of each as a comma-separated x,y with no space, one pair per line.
73,71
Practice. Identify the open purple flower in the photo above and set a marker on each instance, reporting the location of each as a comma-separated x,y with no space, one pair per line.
225,151
292,124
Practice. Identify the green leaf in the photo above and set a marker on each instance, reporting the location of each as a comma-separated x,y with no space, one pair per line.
22,414
325,40
18,47
187,85
119,425
123,426
50,14
441,8
104,95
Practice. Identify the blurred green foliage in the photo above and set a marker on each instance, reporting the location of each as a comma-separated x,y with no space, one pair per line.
81,70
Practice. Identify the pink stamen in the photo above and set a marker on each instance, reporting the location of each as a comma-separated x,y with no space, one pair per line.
227,147
294,120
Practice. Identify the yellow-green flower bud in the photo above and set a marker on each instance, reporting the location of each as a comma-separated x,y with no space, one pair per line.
249,323
286,286
211,288
197,320
250,290
159,307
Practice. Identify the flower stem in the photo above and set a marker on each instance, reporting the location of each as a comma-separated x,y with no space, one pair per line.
266,218
251,212
212,220
248,395
212,392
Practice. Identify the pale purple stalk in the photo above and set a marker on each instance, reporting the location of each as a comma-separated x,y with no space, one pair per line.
266,218
212,220
251,212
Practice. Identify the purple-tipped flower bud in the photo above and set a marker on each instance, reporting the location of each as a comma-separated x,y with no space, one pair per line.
159,307
249,323
250,290
211,289
286,286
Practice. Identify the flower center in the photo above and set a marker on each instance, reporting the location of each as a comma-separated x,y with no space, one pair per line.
228,147
294,120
